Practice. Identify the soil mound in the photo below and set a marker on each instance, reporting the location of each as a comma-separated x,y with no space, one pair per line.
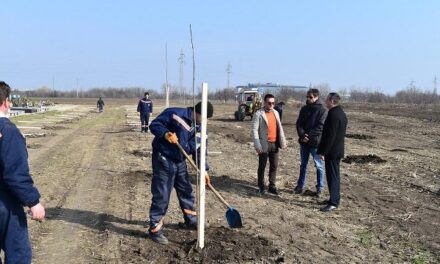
222,245
362,159
359,136
140,153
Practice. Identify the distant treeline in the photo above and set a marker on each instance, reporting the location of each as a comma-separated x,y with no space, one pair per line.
410,95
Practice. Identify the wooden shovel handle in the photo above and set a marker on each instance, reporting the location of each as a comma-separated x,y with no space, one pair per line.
207,183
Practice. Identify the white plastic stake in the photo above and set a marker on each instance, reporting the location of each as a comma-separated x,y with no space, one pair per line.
201,214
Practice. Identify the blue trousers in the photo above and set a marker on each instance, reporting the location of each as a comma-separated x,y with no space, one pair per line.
145,118
305,152
167,175
14,236
333,180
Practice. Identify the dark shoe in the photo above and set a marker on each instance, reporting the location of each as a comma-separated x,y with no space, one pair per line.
328,208
261,191
273,190
159,238
298,190
189,226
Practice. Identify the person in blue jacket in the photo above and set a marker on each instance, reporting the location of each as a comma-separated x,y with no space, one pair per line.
16,189
169,167
145,110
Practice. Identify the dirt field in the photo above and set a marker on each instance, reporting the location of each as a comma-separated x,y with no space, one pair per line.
94,172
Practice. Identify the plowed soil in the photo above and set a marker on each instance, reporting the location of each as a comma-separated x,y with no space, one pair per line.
95,174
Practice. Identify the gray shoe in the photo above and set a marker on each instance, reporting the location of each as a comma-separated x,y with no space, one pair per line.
318,193
261,191
298,190
160,238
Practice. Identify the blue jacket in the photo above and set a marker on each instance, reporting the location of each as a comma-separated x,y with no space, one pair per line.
15,178
145,106
179,121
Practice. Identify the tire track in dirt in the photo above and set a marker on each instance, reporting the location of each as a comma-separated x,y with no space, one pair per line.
75,192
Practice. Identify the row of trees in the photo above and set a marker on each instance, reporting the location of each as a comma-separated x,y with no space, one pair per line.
411,94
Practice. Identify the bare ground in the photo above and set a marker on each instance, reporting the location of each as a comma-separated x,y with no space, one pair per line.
95,174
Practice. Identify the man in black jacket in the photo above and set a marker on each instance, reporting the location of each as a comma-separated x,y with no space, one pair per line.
331,148
309,128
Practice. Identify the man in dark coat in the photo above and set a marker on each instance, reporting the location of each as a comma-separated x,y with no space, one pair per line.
331,148
100,104
16,189
170,172
145,110
309,128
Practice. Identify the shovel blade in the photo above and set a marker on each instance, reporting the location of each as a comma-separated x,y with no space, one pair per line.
233,217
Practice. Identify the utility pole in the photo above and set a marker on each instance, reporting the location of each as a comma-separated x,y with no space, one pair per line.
77,89
53,86
435,85
228,73
182,62
167,89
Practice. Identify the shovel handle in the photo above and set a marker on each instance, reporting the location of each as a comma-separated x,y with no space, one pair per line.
191,161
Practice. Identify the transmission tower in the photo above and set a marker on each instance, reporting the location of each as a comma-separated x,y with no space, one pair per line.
181,64
229,72
435,85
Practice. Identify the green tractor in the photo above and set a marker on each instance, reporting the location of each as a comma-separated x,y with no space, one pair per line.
249,101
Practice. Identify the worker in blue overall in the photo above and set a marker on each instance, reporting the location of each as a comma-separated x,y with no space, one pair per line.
16,189
100,104
169,167
145,110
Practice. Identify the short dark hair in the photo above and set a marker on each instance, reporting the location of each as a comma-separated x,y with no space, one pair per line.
268,96
313,91
210,108
334,97
146,93
5,91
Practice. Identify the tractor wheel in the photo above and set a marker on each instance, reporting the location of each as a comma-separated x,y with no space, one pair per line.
241,112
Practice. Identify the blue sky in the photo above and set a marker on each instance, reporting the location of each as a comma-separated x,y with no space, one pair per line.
381,45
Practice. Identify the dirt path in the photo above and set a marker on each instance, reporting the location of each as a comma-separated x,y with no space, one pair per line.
76,177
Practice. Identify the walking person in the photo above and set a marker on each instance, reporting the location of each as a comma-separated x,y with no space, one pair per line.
174,125
309,128
100,104
268,135
16,189
145,110
331,148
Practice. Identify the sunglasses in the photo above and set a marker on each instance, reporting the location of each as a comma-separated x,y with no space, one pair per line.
309,97
270,103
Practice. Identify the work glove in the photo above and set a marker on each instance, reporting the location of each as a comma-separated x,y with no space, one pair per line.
171,137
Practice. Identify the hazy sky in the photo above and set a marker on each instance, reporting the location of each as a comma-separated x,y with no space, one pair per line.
378,44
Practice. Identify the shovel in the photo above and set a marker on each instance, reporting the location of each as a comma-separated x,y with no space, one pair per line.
232,216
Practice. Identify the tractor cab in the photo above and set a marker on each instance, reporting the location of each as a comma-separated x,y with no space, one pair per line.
249,100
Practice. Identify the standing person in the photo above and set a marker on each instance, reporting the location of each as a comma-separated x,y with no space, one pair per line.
100,104
331,148
16,189
268,135
145,110
309,128
279,107
169,166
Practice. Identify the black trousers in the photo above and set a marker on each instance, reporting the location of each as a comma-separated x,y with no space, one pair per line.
272,155
333,180
145,119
